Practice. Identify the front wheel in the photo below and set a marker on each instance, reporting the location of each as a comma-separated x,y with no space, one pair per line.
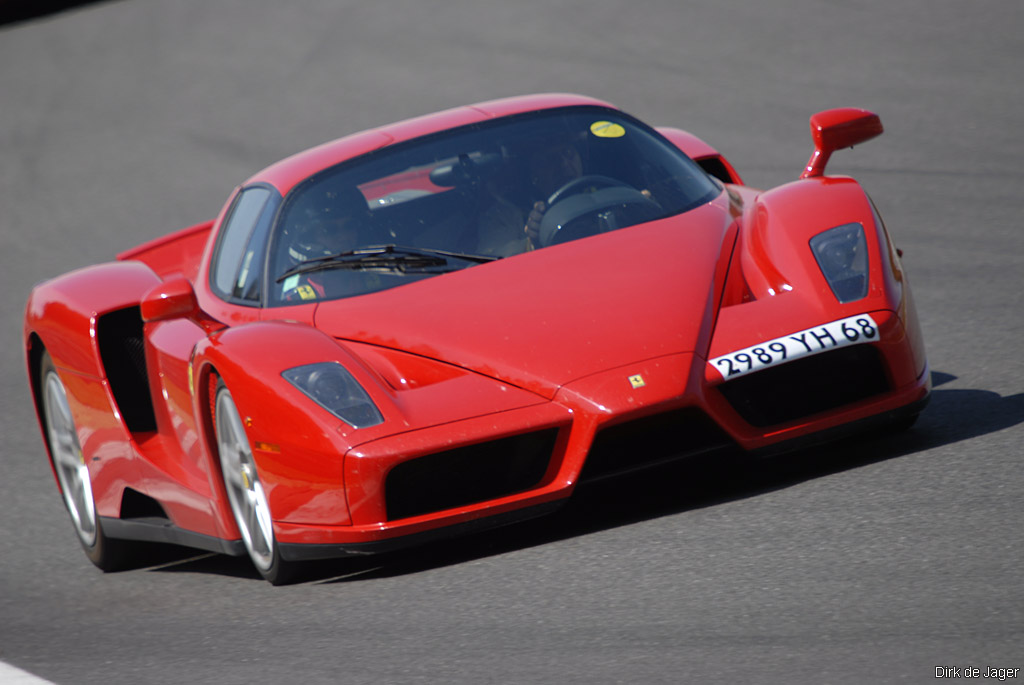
73,473
245,491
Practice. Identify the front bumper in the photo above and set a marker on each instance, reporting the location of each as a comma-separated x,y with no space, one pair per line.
634,416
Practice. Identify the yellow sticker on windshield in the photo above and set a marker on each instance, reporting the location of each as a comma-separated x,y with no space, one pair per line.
606,129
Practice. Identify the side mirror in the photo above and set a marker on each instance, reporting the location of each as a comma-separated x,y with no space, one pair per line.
171,299
834,129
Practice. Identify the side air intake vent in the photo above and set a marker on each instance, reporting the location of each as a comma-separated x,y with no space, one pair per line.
119,335
715,167
135,505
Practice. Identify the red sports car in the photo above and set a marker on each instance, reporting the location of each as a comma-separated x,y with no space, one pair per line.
450,322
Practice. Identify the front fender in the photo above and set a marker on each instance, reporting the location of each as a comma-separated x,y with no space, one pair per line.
299,447
787,291
298,444
775,254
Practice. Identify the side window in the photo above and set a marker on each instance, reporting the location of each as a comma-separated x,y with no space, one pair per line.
238,261
250,273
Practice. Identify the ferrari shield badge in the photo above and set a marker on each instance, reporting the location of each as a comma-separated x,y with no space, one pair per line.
637,381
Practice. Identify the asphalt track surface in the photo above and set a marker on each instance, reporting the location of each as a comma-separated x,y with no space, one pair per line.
876,560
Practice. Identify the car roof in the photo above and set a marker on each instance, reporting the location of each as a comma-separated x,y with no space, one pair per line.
287,173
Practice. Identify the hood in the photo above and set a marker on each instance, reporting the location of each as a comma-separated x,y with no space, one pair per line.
543,319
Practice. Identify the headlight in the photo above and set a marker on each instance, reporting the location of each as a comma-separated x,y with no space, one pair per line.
331,386
842,254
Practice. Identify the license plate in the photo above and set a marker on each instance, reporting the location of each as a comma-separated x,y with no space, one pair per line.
849,331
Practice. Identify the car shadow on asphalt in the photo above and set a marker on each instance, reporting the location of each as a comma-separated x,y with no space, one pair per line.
953,415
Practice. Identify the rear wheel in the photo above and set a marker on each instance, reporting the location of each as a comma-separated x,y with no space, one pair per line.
73,472
245,491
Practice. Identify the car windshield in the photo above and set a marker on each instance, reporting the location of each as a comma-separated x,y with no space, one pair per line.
474,194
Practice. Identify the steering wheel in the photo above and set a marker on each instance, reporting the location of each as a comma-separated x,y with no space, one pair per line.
581,184
580,214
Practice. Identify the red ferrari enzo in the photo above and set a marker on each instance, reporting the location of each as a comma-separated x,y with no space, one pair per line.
450,322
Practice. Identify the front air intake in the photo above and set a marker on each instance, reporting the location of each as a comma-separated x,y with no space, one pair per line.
807,386
650,441
469,474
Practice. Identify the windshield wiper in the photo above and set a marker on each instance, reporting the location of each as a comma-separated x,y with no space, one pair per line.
388,258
